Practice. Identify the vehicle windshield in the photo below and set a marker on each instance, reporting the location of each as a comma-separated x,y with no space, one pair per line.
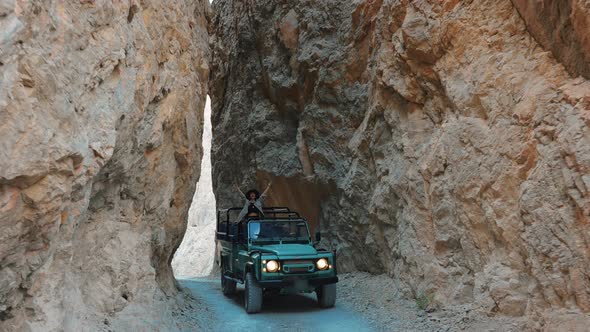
279,231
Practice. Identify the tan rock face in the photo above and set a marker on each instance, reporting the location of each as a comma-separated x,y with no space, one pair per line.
562,27
435,141
100,120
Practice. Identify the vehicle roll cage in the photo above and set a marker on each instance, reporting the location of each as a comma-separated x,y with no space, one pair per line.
230,230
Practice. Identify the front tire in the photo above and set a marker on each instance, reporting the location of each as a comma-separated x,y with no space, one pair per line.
326,295
252,294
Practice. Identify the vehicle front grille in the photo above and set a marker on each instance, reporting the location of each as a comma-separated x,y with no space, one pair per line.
298,266
298,261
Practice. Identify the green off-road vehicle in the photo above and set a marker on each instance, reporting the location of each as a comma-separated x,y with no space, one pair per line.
273,254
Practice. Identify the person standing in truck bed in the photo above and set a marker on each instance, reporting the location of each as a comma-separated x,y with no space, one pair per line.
253,205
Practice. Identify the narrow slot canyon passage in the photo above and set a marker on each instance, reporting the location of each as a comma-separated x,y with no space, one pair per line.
195,255
442,149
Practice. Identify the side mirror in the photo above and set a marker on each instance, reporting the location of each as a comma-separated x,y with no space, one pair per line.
318,236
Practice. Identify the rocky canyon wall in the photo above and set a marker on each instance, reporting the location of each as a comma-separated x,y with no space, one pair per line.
442,143
561,26
100,146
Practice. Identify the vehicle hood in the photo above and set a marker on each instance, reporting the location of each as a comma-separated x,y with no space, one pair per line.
287,250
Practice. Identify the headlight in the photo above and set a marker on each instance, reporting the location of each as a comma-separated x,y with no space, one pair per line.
272,266
322,264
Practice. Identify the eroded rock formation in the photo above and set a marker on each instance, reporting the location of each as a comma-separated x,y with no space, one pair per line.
562,27
100,140
438,142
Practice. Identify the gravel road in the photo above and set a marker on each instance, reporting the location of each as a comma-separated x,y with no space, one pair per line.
279,313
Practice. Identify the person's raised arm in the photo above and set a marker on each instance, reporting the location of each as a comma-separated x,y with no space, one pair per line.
238,188
266,190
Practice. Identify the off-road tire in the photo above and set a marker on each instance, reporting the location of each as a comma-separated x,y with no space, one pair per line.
228,286
326,295
252,294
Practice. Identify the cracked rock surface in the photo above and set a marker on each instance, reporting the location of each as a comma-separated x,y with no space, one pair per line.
442,143
100,146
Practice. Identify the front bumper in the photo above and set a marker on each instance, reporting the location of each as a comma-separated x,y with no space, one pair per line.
292,282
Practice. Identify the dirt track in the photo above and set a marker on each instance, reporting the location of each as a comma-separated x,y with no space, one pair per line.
365,302
279,313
